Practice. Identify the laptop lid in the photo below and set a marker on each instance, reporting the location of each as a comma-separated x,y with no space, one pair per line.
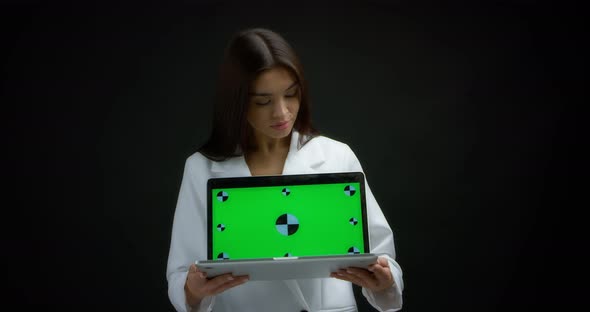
286,216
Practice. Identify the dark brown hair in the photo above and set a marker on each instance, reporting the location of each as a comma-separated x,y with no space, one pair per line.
248,53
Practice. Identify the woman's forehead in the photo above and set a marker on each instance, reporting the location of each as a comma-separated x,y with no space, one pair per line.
273,80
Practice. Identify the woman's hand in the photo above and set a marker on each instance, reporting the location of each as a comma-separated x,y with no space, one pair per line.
197,285
377,277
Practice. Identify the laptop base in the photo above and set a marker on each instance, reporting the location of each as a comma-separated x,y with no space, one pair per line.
286,268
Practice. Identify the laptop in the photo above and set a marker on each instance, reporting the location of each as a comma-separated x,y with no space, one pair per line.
286,226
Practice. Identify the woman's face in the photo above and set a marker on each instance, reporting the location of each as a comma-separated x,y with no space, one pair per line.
273,103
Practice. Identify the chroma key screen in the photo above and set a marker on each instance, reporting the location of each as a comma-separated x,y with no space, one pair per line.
287,221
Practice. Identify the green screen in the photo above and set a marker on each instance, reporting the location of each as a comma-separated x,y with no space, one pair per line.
280,221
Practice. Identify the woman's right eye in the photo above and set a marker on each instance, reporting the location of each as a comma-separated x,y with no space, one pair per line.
266,103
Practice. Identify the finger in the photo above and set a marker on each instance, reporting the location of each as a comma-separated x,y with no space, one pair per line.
340,277
383,261
193,270
243,276
198,277
238,280
195,276
362,273
370,279
352,278
367,278
217,281
382,273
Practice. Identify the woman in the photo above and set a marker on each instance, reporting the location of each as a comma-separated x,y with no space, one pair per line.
262,126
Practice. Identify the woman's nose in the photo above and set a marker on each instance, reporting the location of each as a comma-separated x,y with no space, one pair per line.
280,109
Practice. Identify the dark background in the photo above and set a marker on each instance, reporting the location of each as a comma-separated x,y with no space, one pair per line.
458,112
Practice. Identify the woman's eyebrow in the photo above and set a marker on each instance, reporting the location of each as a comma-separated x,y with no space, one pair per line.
265,94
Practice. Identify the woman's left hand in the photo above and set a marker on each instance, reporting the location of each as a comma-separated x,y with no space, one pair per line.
377,277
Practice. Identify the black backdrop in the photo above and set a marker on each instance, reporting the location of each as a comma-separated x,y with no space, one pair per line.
455,110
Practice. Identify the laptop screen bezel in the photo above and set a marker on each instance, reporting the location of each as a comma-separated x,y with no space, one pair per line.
280,180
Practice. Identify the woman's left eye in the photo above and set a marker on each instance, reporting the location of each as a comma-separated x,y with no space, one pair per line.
294,94
266,103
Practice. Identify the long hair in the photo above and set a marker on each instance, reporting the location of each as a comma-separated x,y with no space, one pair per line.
248,53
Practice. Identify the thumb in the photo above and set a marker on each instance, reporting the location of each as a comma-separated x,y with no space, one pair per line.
193,270
383,262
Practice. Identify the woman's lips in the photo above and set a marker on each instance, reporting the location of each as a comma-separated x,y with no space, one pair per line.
281,125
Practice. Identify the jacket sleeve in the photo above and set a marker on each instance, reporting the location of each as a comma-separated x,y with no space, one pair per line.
188,242
382,244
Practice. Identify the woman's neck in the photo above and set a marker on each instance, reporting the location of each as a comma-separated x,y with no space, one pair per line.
267,157
270,146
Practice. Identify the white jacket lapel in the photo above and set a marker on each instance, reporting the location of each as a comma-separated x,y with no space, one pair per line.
234,167
305,160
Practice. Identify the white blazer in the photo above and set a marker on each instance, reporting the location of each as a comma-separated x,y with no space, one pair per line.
189,239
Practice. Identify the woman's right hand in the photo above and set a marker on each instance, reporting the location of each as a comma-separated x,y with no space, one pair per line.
197,285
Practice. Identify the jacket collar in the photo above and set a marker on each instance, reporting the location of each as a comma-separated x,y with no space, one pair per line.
304,159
